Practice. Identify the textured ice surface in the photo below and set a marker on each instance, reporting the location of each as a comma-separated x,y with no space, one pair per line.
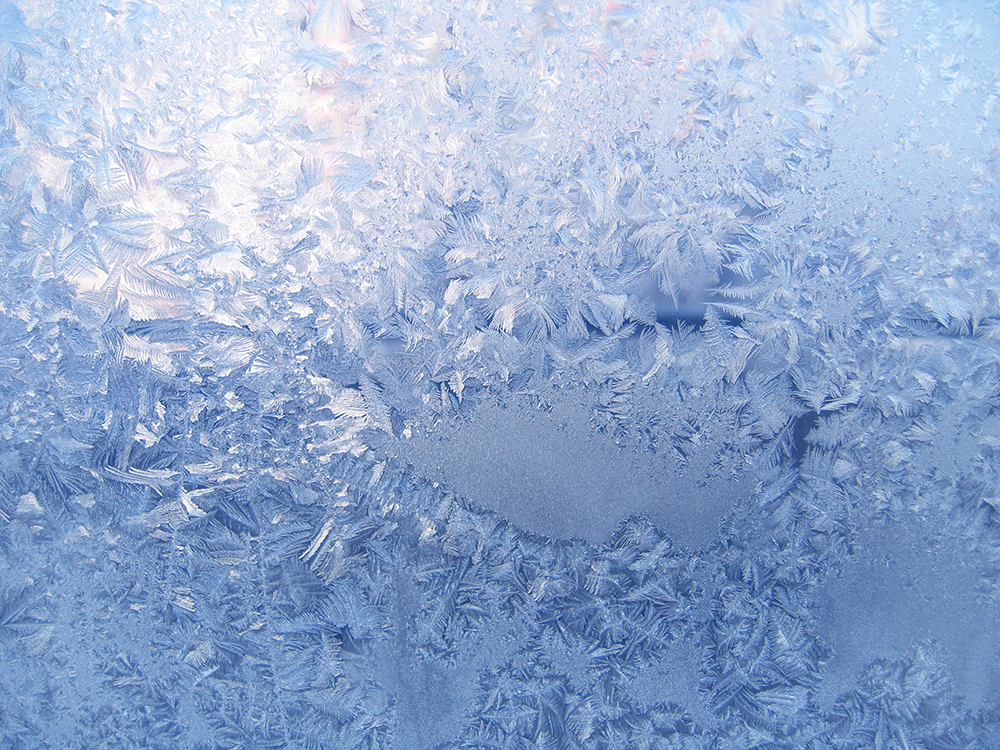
486,375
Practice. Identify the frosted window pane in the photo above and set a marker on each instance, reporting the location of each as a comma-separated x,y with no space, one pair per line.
481,374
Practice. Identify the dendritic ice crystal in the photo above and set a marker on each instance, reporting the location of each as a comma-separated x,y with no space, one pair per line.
485,374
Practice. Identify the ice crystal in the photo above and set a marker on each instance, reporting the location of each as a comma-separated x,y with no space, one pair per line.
484,375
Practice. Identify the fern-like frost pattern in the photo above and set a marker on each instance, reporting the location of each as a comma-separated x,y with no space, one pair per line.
486,376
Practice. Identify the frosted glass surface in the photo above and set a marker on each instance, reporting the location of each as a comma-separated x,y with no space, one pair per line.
499,375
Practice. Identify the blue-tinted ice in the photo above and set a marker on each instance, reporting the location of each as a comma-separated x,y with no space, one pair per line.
499,375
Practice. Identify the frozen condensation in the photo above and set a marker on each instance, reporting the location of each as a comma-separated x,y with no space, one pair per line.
475,374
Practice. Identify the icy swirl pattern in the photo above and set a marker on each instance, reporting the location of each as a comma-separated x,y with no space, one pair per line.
495,374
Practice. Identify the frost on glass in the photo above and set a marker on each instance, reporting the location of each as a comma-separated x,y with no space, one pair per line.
499,375
546,470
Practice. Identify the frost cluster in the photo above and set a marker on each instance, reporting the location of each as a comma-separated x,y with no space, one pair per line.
481,374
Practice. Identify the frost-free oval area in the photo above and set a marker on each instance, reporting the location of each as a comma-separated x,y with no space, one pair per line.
550,472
